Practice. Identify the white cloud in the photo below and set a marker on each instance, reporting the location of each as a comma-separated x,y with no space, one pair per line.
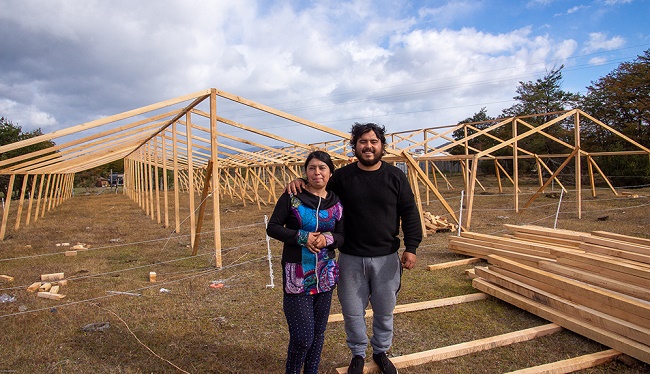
598,41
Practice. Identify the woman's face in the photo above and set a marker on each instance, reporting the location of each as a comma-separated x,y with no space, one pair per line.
318,173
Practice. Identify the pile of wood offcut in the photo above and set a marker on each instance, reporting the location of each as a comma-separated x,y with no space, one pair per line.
594,284
435,224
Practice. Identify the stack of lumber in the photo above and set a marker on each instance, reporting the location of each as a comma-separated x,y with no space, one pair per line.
435,223
596,284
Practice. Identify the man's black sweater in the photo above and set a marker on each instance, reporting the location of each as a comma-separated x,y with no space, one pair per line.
373,204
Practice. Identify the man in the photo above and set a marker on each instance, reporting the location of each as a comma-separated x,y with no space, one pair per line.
376,196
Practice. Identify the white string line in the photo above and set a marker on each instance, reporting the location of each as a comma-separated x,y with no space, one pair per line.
158,284
147,265
140,341
119,245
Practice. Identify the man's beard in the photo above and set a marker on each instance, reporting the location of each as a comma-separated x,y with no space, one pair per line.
377,157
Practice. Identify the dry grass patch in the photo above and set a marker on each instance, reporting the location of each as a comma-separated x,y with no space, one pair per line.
240,328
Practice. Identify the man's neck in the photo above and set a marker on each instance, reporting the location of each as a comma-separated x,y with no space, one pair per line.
369,168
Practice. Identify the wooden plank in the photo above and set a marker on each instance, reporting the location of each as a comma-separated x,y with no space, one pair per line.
618,305
596,279
572,364
510,241
613,252
635,269
530,260
422,305
602,319
619,244
462,349
450,264
553,233
6,278
626,238
544,239
53,296
503,244
596,269
52,277
621,343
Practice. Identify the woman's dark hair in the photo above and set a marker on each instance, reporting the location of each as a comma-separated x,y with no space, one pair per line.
359,129
323,156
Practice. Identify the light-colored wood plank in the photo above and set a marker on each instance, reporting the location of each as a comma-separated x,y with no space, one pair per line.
462,349
626,238
450,264
572,364
591,277
602,319
621,343
614,303
422,305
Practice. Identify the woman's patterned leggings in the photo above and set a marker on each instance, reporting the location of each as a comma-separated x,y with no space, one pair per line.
307,319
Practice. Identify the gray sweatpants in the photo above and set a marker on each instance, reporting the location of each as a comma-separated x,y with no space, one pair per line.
363,279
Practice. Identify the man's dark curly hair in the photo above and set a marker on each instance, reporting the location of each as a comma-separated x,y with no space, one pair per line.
359,129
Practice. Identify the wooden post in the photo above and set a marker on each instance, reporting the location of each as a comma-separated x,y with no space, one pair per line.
40,197
204,196
515,164
5,212
592,181
165,184
21,202
190,176
31,199
177,186
216,194
498,173
157,178
578,171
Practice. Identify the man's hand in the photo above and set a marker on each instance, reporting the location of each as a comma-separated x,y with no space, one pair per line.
408,260
295,186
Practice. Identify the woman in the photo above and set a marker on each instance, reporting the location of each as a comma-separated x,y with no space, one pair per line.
310,225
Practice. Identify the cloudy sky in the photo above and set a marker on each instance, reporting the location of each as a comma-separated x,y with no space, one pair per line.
405,64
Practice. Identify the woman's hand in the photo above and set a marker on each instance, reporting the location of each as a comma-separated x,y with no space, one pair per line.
315,242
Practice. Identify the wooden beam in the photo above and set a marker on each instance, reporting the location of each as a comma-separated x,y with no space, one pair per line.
463,349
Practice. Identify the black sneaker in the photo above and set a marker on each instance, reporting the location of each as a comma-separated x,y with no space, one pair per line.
384,363
356,365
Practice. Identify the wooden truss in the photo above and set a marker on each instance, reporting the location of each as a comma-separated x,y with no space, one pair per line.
190,139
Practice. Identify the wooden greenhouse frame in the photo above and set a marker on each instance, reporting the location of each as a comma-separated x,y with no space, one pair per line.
183,136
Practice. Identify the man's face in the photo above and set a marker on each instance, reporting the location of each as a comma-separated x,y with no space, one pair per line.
369,149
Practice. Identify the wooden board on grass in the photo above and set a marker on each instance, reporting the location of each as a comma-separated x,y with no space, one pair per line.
462,349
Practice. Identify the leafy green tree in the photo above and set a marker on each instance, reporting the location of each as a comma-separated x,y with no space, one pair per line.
11,133
621,100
